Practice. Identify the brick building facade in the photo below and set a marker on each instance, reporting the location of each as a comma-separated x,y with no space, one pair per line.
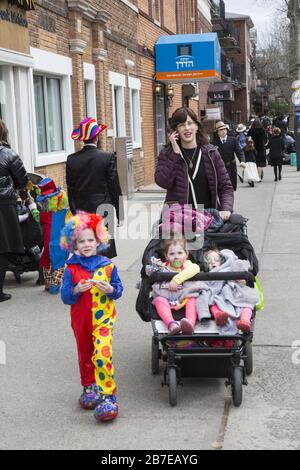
73,58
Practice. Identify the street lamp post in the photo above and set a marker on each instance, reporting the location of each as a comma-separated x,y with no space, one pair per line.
296,102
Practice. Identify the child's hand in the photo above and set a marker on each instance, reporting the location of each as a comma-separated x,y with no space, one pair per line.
173,286
104,287
82,286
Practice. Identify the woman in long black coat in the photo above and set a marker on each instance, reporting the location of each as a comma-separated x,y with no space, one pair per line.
13,176
260,139
276,146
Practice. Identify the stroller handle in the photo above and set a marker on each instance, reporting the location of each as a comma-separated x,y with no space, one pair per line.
230,276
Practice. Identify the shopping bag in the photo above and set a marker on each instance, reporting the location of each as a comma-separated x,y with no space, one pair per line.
261,303
251,173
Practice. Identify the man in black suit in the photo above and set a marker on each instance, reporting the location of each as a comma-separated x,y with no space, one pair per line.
229,147
92,178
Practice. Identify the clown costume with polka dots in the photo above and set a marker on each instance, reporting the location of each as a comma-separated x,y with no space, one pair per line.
90,285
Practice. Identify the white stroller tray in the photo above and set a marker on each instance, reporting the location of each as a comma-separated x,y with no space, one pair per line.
207,327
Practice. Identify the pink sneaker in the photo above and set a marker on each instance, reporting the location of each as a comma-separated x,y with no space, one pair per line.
221,318
173,328
243,325
186,327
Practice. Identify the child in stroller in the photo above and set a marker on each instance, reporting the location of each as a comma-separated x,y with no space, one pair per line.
171,295
231,303
28,215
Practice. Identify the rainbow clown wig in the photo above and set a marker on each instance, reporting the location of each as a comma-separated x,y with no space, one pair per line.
77,224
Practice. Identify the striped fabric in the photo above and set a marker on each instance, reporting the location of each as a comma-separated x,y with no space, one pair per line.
87,130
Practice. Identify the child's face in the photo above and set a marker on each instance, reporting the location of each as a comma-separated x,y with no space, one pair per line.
213,260
86,244
177,254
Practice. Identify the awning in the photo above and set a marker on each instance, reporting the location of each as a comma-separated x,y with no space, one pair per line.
221,92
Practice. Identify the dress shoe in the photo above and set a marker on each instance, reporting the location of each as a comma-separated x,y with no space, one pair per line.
4,297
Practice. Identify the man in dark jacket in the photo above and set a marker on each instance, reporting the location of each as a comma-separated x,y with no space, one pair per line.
228,147
92,178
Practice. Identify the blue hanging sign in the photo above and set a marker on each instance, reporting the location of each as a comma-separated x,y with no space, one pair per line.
188,58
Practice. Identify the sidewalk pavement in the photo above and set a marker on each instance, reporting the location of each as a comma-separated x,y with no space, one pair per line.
40,383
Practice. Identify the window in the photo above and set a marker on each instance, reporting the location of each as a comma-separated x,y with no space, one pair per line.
155,10
117,81
135,111
48,109
90,91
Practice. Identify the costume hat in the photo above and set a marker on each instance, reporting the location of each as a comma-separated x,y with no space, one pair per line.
220,126
241,128
47,189
88,130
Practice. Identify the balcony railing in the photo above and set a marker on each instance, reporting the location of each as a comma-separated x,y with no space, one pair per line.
231,72
218,9
218,15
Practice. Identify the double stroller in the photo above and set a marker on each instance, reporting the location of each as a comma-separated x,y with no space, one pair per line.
32,240
206,353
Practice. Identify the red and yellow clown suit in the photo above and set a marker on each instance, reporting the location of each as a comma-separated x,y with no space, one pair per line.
93,316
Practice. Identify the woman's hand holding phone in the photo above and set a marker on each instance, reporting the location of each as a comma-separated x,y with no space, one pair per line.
173,137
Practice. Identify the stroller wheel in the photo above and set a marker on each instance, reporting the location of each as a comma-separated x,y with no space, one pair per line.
172,382
249,359
237,386
155,356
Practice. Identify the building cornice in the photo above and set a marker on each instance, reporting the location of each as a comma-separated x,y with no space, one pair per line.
78,5
99,54
77,45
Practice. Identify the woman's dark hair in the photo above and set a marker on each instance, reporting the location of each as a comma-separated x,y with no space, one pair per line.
180,116
257,124
3,133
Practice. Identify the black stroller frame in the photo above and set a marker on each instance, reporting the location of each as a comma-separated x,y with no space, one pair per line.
193,356
233,363
29,261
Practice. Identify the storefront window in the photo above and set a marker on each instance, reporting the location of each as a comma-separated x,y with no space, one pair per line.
48,111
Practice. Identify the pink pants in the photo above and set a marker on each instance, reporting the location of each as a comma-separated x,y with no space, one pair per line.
164,310
221,317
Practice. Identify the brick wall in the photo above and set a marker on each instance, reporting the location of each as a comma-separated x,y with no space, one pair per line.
129,36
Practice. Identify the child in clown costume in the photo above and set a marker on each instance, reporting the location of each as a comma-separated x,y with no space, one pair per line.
90,285
54,213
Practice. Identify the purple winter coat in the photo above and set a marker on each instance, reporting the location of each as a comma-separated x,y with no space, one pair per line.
172,174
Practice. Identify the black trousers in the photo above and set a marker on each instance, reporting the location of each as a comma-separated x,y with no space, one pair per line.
232,172
275,170
3,266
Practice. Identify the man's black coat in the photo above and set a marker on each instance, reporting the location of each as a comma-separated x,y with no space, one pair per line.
92,180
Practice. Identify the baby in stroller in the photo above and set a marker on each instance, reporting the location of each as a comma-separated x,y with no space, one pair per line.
177,293
231,302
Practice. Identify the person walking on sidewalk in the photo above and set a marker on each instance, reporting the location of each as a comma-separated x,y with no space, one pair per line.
191,170
90,285
229,147
92,178
13,177
276,146
260,139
